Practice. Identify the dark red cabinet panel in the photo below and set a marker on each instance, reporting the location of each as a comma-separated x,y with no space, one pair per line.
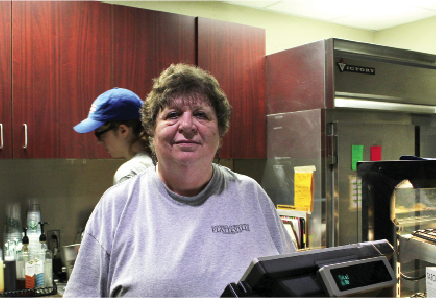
35,79
235,55
5,80
85,72
61,62
146,42
66,53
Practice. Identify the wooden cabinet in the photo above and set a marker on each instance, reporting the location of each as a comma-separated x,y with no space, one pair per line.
34,79
146,42
85,72
5,80
65,53
61,59
236,55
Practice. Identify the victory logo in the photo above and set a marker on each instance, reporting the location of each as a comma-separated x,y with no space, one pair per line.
353,68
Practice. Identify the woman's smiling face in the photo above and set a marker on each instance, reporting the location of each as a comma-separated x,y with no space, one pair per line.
186,131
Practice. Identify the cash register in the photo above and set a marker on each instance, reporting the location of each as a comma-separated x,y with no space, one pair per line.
361,269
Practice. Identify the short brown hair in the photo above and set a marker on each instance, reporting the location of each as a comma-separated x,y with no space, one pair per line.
184,80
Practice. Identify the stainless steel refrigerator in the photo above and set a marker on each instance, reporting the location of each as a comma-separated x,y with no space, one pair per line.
332,103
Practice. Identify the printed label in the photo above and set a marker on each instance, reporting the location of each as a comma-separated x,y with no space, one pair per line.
230,229
38,266
30,268
354,68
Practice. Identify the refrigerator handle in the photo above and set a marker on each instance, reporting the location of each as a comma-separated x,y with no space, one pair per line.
332,144
332,156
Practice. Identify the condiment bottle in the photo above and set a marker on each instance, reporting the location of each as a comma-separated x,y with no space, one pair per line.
47,256
2,284
22,258
29,267
34,231
10,273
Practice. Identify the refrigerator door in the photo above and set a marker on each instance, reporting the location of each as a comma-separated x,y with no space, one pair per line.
325,139
295,139
363,142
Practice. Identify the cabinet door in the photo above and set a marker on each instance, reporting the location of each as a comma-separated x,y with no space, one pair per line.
146,42
61,63
235,55
85,72
5,81
36,121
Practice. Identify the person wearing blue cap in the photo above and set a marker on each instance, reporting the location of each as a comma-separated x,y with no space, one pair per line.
115,119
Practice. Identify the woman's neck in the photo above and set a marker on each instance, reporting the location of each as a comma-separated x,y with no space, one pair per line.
186,180
133,149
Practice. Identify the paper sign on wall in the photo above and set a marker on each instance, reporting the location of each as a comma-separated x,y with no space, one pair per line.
356,155
375,153
304,187
355,191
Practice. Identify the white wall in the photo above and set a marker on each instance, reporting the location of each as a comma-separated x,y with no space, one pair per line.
417,36
287,31
282,31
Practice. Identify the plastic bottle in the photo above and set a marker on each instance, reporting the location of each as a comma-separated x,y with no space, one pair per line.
10,273
2,279
39,262
33,231
22,258
29,267
46,257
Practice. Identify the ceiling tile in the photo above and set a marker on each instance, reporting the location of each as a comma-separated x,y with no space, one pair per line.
427,4
384,16
368,14
321,10
253,4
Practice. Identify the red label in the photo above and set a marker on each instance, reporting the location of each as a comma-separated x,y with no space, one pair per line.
375,153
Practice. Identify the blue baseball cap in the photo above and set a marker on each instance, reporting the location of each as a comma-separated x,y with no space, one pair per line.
113,105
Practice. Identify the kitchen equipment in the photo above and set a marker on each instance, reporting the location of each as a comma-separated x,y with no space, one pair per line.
332,103
68,255
399,204
359,270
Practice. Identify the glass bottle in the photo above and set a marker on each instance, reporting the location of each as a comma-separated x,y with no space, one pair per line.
47,257
2,284
34,231
21,262
29,267
10,273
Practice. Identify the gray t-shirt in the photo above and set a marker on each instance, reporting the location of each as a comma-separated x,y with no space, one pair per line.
137,164
143,240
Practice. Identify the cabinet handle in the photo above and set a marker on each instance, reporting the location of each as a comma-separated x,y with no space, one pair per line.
25,136
1,133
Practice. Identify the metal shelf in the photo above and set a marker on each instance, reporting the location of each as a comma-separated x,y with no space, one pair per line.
412,248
